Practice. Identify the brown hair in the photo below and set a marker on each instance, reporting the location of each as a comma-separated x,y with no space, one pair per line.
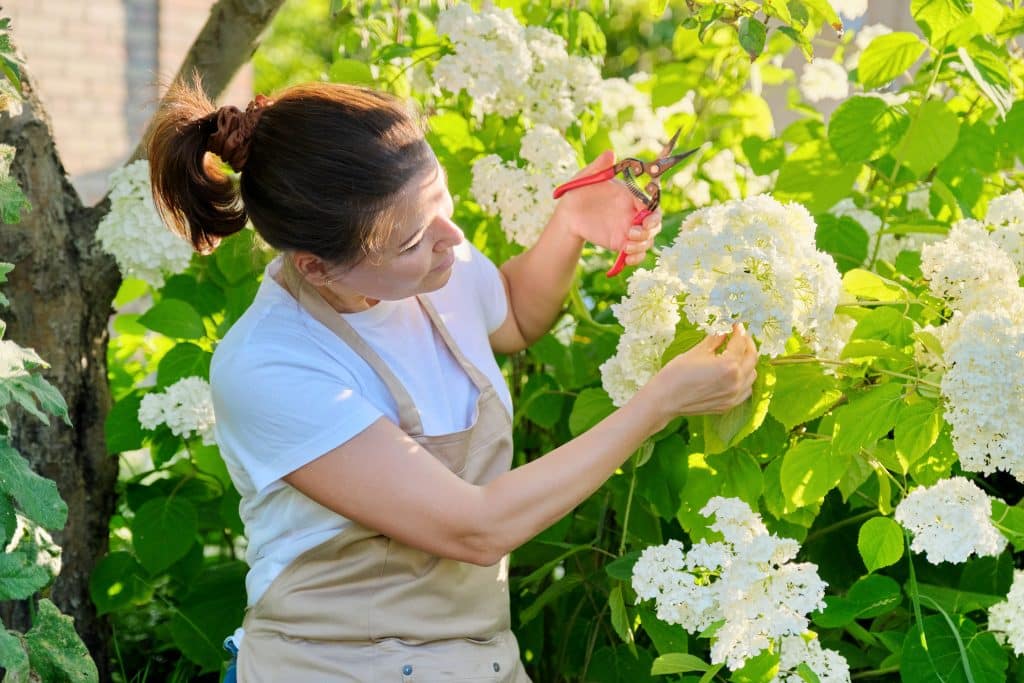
323,165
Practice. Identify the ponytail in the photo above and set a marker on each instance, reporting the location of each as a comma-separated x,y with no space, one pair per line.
192,191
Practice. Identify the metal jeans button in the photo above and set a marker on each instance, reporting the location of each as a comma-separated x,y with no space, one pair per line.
407,670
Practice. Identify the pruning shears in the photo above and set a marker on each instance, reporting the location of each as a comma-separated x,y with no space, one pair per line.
631,168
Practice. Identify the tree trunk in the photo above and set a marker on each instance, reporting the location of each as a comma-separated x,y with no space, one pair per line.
61,292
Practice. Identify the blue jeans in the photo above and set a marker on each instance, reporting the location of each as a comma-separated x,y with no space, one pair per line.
231,675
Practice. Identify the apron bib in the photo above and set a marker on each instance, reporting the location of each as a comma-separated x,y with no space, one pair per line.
364,607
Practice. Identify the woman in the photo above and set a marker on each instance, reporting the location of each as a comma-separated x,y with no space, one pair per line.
359,407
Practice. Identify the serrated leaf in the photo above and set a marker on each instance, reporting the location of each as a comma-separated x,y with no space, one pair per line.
938,17
37,497
20,577
917,429
864,284
591,406
12,201
620,616
121,428
931,652
55,650
866,419
117,582
809,471
13,658
880,542
163,531
752,35
929,139
887,57
864,128
183,360
802,392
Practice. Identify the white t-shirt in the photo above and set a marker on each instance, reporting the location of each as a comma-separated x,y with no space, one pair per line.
287,390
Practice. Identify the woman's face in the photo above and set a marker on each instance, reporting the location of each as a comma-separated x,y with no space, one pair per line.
418,255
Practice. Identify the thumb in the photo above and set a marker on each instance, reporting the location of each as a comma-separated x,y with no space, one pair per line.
713,341
603,161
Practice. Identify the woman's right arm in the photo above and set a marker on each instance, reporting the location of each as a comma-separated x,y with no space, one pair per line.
385,481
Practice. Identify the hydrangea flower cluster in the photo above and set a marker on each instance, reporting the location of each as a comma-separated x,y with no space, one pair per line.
1006,215
133,232
950,521
522,196
850,9
644,129
737,179
747,582
829,665
186,407
984,389
968,268
751,261
1006,618
824,79
510,69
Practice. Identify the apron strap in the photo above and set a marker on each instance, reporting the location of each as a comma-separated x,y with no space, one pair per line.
310,299
478,378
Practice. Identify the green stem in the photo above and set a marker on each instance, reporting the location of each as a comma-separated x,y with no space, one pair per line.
956,635
839,525
580,310
874,673
629,506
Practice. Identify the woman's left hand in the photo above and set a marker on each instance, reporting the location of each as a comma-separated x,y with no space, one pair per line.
601,214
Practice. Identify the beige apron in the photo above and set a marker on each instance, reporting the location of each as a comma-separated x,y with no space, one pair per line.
364,607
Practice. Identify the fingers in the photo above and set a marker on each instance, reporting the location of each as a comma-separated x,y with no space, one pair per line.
603,161
640,239
712,341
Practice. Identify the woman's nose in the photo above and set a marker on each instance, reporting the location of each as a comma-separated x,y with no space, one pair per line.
449,235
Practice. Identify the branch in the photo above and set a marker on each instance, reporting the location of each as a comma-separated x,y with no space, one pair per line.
226,42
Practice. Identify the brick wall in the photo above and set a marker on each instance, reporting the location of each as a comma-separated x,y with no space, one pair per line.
96,65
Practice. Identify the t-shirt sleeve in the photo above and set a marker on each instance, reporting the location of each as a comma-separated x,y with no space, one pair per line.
274,416
490,289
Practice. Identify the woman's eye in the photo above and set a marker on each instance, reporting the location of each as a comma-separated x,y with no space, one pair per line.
411,248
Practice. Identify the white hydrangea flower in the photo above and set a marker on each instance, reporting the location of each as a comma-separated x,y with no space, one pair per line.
1006,215
509,69
646,126
968,268
1006,619
824,79
828,665
133,232
850,9
950,521
861,39
186,407
747,581
917,200
830,339
522,197
984,388
754,261
13,359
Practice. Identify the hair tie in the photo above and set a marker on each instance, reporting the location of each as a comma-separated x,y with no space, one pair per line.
233,137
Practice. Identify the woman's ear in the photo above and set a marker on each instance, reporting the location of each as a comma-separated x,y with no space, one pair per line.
311,267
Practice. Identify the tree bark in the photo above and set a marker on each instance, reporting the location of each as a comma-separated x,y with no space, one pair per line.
61,292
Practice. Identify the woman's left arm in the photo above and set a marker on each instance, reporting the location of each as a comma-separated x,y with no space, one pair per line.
538,280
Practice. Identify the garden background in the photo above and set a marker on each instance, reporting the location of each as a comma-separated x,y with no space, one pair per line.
888,138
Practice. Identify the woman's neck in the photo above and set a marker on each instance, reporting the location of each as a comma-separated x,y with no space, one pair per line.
342,302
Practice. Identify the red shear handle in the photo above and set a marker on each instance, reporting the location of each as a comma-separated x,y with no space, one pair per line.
598,177
620,262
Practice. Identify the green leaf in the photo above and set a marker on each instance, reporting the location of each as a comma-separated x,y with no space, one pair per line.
591,406
931,652
620,616
955,600
864,284
13,658
12,201
183,360
880,542
887,57
843,238
723,431
122,429
938,17
814,176
884,324
932,135
621,568
917,429
20,577
809,471
542,401
677,663
990,74
764,155
37,497
163,531
1010,521
802,392
752,35
762,668
667,638
213,607
56,652
864,128
869,597
175,319
117,582
866,419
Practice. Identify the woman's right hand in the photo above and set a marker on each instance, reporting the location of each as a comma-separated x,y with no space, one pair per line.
703,381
